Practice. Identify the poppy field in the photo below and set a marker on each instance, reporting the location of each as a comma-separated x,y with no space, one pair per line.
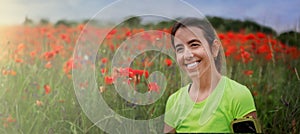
37,92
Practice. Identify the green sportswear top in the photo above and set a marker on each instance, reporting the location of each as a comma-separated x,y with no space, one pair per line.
229,100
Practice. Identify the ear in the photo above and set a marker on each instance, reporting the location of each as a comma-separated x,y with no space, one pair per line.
216,47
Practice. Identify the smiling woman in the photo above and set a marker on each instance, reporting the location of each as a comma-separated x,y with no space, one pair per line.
211,101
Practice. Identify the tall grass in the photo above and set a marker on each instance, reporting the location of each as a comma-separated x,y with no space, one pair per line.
28,106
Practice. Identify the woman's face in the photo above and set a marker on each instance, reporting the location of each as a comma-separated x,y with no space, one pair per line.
192,51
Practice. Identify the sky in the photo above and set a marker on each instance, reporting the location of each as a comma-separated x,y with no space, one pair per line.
277,14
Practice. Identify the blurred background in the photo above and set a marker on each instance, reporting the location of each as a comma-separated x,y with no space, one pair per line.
261,42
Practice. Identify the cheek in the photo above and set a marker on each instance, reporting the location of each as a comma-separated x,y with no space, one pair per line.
202,52
179,58
199,52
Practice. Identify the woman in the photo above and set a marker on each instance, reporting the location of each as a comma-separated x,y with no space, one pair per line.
212,101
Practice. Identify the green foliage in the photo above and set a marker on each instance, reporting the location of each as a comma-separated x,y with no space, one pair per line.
44,22
28,21
237,25
132,22
66,23
291,38
165,24
275,94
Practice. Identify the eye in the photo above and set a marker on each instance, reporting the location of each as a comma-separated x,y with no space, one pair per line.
193,45
179,49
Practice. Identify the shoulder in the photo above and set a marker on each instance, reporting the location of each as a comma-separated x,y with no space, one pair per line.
176,107
178,94
237,93
235,88
240,98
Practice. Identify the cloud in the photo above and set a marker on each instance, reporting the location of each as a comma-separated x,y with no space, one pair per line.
167,8
280,15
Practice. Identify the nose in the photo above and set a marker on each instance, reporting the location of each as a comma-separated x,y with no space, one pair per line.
188,54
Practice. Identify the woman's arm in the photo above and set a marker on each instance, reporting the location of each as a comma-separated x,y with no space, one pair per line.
168,129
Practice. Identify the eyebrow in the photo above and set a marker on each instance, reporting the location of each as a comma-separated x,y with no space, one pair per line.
193,40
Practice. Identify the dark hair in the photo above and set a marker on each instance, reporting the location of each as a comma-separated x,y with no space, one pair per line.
208,31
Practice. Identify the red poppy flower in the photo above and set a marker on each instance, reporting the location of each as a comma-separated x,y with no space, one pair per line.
268,57
261,35
13,73
263,49
49,55
112,32
250,37
168,62
19,60
80,27
47,89
68,66
248,72
32,54
230,50
221,36
146,73
128,33
104,60
103,70
48,65
152,86
108,80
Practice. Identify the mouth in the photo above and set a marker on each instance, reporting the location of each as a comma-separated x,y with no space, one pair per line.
192,65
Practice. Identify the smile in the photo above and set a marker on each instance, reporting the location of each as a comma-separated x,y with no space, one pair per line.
192,65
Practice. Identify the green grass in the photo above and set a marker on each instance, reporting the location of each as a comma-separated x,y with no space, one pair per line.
274,84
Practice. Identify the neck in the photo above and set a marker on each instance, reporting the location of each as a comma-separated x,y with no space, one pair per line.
204,84
207,81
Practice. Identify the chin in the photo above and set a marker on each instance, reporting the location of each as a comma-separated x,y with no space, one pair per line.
194,74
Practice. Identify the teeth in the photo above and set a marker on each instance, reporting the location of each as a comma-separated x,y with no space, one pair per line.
192,65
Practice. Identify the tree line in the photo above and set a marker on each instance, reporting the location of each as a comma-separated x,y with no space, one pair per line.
291,38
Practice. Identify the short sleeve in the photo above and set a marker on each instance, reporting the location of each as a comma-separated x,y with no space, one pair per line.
243,102
177,107
170,116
